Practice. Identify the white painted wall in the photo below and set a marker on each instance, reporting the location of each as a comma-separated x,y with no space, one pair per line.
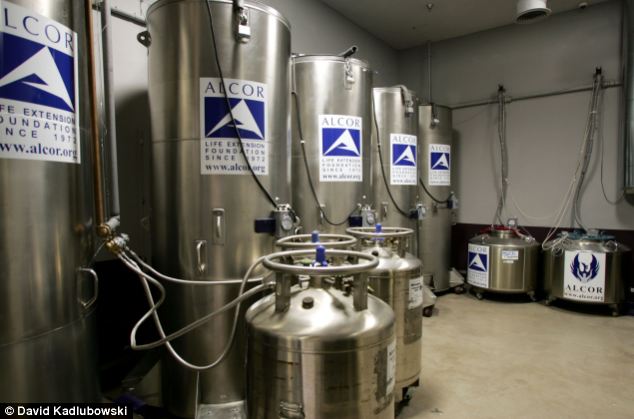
544,135
133,131
318,29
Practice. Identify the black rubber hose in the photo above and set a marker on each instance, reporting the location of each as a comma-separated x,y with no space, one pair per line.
308,174
432,196
378,143
224,90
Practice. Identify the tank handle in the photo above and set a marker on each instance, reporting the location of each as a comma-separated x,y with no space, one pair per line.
144,38
282,264
243,28
408,99
87,304
304,241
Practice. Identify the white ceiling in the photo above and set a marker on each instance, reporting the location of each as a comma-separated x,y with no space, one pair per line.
408,23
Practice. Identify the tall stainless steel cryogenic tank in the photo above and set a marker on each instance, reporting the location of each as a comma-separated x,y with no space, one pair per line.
502,260
321,351
205,201
434,239
47,347
334,110
396,130
586,268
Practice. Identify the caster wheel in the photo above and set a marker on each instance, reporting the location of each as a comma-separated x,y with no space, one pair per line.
548,301
532,296
406,397
428,311
615,314
459,290
615,310
479,295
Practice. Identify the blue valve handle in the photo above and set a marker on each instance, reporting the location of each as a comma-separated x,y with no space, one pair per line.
320,256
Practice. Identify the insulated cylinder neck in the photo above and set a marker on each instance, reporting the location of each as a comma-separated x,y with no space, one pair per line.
502,233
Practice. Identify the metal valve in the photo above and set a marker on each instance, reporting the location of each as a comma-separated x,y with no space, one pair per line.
421,212
284,222
368,216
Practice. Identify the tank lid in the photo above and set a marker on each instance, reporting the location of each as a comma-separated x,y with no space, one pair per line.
501,231
590,235
502,235
251,4
390,261
308,58
320,319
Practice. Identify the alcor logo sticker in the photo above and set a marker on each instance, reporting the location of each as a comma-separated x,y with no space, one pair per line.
584,276
403,158
220,146
39,113
439,165
478,266
340,148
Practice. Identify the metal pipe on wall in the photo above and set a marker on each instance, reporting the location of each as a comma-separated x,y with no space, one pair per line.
110,112
123,15
587,88
430,100
99,200
629,99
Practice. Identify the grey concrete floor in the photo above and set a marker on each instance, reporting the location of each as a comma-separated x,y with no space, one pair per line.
500,359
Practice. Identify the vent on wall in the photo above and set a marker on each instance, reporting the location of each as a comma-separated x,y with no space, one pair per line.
529,11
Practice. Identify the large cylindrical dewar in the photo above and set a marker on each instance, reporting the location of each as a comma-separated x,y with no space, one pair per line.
47,290
334,111
205,199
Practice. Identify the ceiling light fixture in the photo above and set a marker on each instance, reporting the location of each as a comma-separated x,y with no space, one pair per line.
529,11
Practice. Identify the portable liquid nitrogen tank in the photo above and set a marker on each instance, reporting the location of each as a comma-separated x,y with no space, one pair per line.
207,201
322,350
395,148
47,289
331,128
435,165
586,268
503,260
397,280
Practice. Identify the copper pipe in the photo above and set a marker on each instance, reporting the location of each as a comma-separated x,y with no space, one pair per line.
100,211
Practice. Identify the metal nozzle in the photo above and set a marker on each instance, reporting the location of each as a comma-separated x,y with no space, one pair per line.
349,52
